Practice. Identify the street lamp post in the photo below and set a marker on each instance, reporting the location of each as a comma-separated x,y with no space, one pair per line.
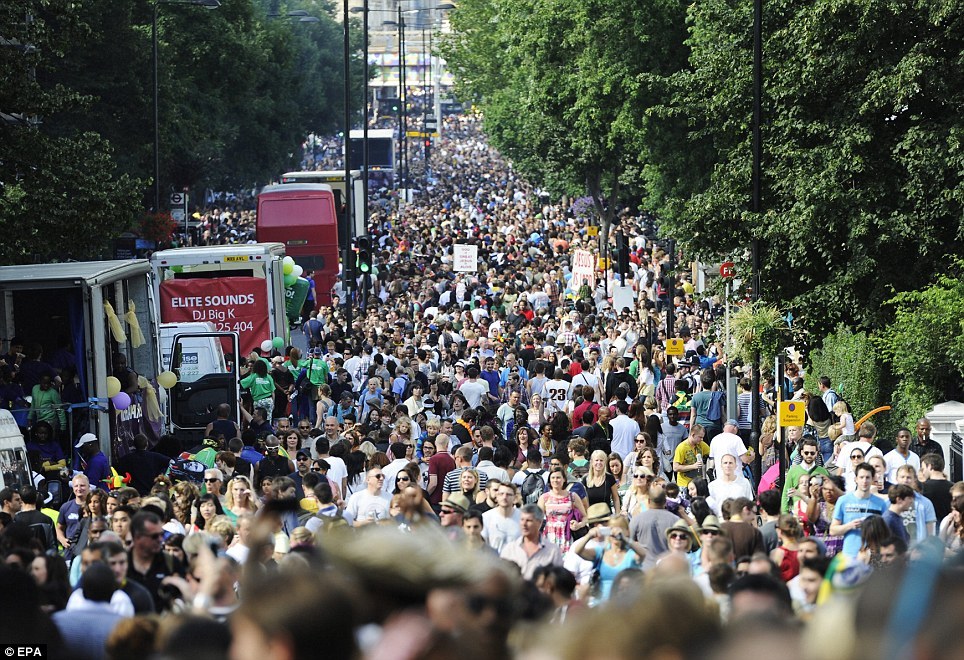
365,163
756,206
403,101
348,268
208,4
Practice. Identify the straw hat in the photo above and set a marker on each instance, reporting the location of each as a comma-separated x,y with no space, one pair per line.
680,526
597,513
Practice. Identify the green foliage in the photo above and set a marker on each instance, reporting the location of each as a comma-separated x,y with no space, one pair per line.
862,135
852,362
565,85
924,345
758,328
61,196
238,93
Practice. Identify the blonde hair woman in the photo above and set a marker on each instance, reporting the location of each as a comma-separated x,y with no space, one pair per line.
636,497
239,497
615,552
469,485
601,486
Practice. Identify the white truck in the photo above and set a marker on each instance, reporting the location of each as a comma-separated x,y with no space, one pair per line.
238,288
44,305
61,307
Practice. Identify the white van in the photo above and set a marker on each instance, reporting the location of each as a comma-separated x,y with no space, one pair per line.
14,466
199,355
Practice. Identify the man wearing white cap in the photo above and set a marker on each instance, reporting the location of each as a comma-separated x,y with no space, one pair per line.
91,461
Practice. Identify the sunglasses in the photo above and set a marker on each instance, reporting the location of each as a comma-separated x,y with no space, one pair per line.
211,481
678,537
855,457
302,458
379,476
710,532
641,476
809,453
445,512
401,479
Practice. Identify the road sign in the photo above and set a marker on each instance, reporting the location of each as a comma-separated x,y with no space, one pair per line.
675,347
421,134
792,413
178,199
727,269
592,230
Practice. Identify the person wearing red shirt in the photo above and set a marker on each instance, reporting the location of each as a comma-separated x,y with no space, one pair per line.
439,465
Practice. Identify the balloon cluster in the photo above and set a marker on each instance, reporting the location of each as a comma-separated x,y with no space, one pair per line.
122,400
277,344
291,270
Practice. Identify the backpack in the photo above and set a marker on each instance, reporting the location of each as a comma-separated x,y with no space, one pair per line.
187,469
331,523
714,412
579,471
533,486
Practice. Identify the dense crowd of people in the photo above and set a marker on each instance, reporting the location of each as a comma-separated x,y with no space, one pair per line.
490,463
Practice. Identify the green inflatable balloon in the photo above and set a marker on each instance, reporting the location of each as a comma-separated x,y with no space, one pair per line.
295,299
290,280
278,343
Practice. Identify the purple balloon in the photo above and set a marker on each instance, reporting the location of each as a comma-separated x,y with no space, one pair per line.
121,401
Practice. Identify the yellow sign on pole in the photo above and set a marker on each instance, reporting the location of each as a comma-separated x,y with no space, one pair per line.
592,230
675,347
603,264
792,413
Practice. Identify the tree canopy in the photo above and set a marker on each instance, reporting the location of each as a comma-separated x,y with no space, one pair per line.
862,148
238,93
565,85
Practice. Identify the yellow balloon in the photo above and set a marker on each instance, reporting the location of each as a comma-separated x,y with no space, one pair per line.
113,386
167,379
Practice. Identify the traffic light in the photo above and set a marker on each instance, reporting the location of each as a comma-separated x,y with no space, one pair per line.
364,247
428,149
622,255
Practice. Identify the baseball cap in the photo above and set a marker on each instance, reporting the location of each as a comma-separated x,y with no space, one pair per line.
302,454
85,439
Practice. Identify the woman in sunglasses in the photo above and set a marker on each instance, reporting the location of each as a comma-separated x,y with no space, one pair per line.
635,499
821,511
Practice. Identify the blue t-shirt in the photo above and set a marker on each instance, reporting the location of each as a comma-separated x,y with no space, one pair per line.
849,508
896,525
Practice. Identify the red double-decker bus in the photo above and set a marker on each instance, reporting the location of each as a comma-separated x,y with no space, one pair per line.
302,216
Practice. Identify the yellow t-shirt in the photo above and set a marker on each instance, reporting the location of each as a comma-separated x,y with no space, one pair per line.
685,454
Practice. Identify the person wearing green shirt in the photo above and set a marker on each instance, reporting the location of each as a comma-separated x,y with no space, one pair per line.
809,449
316,372
261,386
46,406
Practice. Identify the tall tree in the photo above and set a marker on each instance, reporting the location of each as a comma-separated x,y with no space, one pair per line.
61,196
565,85
863,119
